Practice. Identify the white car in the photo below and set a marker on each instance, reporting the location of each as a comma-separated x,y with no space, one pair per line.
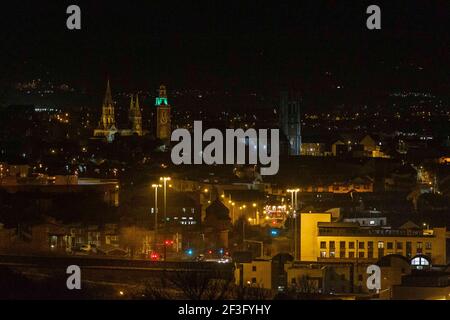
224,260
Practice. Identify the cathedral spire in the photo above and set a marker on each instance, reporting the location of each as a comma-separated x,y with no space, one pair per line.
135,116
131,103
108,97
108,118
106,126
138,110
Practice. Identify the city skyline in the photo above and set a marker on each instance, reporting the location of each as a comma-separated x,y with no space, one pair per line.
235,152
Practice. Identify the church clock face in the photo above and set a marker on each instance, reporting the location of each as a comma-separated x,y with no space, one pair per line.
164,117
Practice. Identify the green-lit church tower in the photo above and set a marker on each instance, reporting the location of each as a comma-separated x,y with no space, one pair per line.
163,125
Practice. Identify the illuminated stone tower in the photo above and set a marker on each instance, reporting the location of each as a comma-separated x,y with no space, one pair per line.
290,121
163,126
135,117
107,120
107,124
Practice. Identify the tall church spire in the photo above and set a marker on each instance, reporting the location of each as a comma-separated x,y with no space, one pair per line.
108,118
108,96
131,103
106,125
137,107
135,116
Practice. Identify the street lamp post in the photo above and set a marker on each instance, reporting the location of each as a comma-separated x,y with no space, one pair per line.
256,213
294,205
232,210
208,191
164,180
291,191
243,232
156,186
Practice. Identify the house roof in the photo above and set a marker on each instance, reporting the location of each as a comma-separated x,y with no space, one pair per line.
218,210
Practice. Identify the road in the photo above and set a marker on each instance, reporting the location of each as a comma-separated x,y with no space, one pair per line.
87,262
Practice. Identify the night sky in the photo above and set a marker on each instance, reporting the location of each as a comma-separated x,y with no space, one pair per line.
239,45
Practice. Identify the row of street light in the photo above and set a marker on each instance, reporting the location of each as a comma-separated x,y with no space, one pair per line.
164,180
156,186
294,205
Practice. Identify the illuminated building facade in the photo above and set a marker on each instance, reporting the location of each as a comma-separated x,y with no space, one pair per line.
255,273
274,216
323,240
314,149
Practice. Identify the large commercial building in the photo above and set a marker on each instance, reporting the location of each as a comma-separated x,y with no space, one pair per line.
324,240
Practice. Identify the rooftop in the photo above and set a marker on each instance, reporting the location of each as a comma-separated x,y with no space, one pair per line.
350,229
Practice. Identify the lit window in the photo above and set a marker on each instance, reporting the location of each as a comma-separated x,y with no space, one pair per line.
419,261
